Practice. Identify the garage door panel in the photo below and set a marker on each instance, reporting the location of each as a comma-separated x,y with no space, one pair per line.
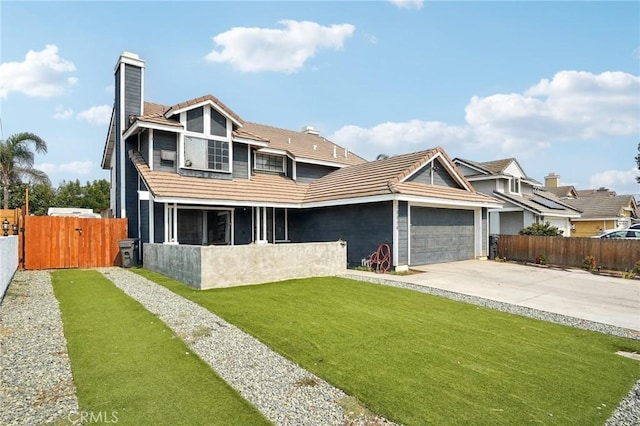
441,235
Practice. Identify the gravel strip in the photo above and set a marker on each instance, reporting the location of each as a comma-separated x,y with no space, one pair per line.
36,385
628,411
283,391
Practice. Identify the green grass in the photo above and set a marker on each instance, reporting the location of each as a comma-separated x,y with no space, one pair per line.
421,359
126,361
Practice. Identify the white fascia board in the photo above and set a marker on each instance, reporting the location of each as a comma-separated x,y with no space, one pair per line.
506,209
203,103
250,142
591,219
272,151
442,202
562,215
140,125
320,162
348,201
222,202
108,148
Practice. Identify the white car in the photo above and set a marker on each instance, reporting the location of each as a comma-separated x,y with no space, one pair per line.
620,234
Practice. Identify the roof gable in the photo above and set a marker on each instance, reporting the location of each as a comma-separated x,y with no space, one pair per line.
205,100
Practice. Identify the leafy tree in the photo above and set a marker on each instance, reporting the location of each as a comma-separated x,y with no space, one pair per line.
94,195
41,197
16,161
541,229
69,194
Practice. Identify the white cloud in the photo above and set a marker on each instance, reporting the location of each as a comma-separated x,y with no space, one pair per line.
283,50
62,113
572,106
624,182
77,167
98,115
408,4
40,74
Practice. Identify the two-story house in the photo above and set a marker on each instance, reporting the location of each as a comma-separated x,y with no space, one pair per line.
525,200
196,173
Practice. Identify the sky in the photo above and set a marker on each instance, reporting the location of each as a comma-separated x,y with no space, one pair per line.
554,84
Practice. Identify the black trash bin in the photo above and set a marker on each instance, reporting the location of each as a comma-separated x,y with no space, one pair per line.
493,246
129,252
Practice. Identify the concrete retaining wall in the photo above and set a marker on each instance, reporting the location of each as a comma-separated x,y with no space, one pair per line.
8,261
230,266
181,263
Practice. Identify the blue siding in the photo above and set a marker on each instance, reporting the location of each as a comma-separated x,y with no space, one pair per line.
240,161
144,221
144,145
158,222
164,141
132,90
131,189
306,173
403,233
441,176
363,226
118,148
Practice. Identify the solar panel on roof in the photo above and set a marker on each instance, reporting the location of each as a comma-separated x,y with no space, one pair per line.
547,203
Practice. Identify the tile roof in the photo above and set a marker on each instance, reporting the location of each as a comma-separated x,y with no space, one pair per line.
361,180
528,202
602,207
600,192
562,191
302,145
384,177
263,188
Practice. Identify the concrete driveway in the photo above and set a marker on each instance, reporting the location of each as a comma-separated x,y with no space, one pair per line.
571,292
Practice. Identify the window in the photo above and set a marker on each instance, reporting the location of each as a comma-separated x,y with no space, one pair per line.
515,185
195,120
269,163
206,154
218,124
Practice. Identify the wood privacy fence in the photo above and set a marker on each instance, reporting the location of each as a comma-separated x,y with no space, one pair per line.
618,255
52,242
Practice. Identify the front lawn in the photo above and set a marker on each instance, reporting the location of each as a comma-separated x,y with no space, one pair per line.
421,359
130,369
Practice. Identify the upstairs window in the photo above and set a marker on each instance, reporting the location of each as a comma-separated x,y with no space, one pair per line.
217,124
206,154
514,185
269,163
195,120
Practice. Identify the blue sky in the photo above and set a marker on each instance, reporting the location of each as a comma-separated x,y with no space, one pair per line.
554,84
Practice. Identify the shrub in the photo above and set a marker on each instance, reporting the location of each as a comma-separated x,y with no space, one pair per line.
542,229
541,259
589,263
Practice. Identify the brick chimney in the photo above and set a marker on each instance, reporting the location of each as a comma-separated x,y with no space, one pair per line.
552,180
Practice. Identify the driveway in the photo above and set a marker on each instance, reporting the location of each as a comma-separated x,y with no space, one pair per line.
571,292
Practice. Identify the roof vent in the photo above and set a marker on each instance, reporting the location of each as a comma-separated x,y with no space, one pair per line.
310,130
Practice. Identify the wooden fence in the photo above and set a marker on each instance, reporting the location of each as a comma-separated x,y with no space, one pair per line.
617,255
71,242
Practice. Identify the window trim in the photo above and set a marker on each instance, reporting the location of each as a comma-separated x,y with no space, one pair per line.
281,157
198,136
517,183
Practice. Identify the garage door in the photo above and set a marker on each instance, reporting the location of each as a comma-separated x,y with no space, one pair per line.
441,235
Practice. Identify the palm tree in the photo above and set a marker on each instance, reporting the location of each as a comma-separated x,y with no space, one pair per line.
16,161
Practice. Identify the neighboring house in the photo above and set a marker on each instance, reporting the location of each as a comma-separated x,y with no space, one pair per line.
601,208
196,173
525,200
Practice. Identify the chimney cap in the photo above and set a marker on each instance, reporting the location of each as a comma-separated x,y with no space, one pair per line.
130,58
310,130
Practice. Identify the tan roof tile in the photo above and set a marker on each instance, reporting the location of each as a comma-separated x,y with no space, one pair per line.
303,145
261,188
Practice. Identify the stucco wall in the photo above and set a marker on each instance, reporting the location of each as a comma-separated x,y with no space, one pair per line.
230,266
8,261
